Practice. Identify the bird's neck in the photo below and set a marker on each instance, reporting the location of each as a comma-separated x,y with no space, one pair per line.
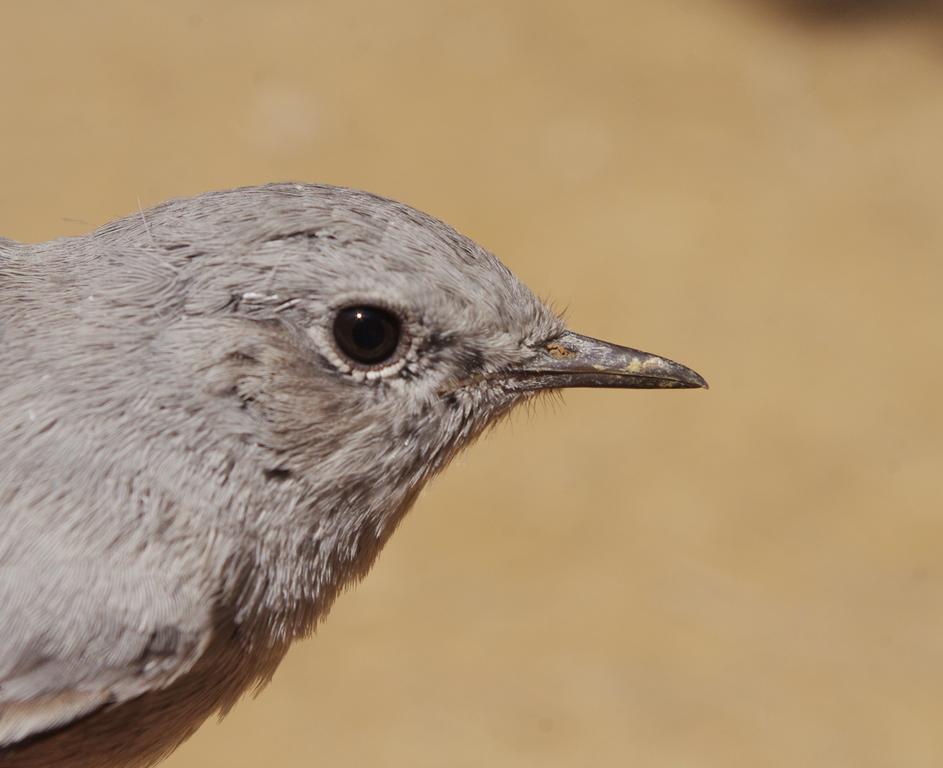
293,578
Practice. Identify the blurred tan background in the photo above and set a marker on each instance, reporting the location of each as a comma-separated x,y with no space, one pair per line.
751,576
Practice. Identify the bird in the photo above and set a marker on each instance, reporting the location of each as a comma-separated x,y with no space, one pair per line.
213,414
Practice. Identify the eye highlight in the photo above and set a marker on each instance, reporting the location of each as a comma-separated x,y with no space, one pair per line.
368,336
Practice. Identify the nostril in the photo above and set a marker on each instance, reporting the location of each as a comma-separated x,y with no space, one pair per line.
558,350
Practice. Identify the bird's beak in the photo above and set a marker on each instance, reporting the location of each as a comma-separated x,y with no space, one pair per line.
571,360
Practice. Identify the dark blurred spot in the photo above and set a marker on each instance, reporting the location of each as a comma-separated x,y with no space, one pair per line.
164,641
853,11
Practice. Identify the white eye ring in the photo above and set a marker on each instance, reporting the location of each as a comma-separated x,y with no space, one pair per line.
364,325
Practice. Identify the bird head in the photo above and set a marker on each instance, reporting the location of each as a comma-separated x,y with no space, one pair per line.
344,347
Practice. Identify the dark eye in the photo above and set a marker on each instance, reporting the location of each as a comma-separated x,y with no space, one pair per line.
367,335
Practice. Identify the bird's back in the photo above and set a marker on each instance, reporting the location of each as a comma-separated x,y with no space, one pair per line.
108,616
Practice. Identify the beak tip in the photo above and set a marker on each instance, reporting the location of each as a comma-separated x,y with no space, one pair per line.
678,375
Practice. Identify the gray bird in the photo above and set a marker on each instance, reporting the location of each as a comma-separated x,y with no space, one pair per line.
213,414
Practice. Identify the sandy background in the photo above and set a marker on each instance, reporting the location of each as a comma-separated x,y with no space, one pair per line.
751,576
